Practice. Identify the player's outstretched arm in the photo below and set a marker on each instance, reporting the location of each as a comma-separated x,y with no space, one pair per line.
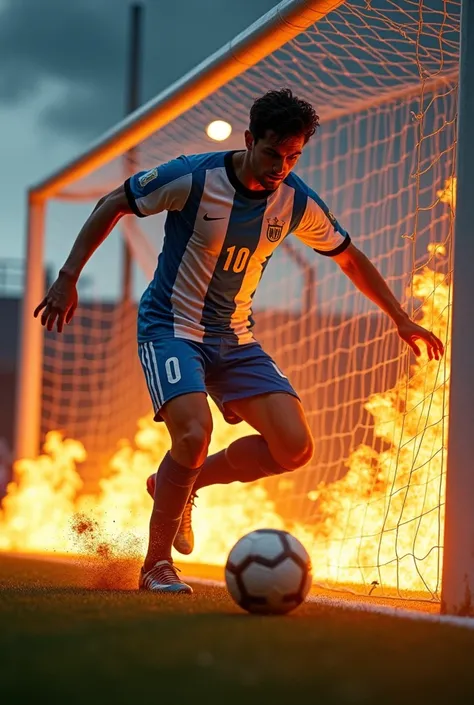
369,281
60,302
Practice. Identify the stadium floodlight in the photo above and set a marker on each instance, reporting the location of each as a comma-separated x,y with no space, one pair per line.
219,130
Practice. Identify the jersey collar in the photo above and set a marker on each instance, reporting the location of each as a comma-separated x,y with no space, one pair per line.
238,185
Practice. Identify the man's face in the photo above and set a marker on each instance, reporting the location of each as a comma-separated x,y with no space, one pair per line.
271,161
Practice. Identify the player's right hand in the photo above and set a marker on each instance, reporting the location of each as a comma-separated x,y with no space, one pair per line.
59,303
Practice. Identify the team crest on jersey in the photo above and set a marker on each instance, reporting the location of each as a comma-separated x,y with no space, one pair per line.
274,229
149,176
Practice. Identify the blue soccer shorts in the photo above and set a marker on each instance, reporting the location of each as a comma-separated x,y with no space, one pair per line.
224,370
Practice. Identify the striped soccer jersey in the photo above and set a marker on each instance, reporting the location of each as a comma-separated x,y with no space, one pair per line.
219,237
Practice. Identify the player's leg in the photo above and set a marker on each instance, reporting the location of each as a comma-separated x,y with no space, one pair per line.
174,370
189,422
249,385
285,442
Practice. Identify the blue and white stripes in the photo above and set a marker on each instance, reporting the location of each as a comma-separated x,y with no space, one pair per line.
219,237
147,355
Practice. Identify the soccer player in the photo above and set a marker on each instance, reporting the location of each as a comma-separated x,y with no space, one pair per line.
227,213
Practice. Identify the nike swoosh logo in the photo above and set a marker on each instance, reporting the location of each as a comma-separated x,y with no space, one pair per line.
206,217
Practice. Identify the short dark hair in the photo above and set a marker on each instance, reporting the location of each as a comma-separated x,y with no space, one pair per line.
283,113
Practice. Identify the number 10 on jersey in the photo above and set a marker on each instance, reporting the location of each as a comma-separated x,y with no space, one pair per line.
237,263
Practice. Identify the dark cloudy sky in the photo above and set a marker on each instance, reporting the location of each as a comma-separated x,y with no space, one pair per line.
63,72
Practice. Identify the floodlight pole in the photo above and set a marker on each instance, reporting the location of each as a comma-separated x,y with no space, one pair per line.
458,563
132,103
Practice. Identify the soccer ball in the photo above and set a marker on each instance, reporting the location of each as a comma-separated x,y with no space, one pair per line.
268,571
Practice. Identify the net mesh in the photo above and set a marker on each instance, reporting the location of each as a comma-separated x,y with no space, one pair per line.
369,507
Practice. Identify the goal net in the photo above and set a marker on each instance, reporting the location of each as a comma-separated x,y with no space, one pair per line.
383,78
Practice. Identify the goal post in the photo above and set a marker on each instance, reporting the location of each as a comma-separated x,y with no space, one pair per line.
393,165
28,396
458,567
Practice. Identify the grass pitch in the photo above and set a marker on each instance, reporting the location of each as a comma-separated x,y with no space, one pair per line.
63,642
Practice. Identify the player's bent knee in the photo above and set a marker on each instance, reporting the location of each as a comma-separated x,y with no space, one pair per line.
191,445
296,454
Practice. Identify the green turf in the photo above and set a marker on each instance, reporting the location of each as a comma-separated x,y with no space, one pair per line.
60,643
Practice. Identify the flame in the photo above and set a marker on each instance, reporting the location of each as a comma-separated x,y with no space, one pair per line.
448,193
43,509
382,522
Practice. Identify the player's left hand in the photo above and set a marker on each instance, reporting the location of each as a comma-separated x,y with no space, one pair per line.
410,332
